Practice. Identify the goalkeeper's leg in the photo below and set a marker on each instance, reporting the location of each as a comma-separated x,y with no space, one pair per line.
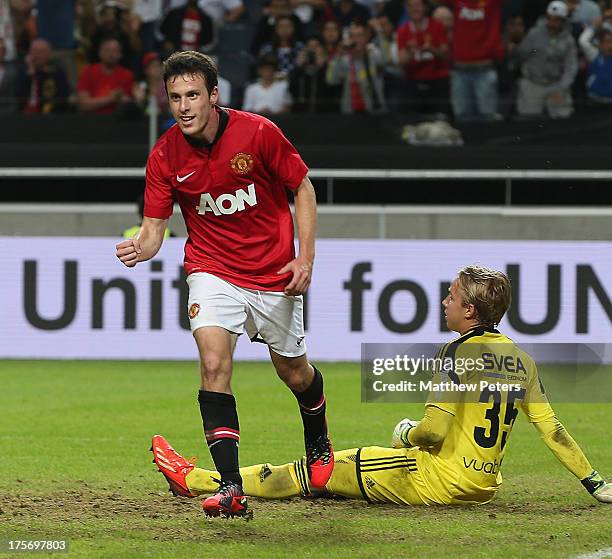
291,480
262,480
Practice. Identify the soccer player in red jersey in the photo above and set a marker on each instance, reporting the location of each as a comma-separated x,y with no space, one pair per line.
229,171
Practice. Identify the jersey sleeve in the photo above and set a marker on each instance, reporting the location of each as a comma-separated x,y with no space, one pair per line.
158,201
535,405
564,447
432,429
280,157
440,398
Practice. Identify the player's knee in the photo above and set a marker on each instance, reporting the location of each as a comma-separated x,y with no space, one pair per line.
296,376
296,383
215,368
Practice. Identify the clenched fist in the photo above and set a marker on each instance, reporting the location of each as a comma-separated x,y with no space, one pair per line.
128,251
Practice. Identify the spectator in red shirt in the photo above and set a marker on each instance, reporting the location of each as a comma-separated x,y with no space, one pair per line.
477,46
423,54
106,85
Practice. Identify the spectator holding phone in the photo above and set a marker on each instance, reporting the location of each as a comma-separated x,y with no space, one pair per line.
359,67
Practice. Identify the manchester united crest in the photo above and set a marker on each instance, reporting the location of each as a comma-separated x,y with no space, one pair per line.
194,310
242,163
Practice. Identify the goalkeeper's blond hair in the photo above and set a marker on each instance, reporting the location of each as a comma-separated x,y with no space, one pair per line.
488,290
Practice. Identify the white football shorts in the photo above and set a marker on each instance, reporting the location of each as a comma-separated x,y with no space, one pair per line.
266,316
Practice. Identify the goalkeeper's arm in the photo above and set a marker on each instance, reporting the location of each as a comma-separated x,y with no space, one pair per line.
565,448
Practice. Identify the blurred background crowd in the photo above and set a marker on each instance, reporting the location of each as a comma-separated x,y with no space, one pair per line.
462,60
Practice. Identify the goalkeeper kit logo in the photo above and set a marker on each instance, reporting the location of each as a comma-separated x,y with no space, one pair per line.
481,465
264,473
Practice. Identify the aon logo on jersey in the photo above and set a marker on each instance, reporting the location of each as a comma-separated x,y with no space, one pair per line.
228,203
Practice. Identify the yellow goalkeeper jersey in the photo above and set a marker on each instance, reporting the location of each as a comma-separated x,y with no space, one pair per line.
482,379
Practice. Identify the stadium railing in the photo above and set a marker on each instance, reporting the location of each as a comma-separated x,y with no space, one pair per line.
330,175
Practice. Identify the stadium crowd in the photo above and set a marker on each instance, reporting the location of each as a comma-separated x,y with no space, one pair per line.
470,60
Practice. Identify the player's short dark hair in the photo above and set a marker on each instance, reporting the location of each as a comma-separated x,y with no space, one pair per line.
192,63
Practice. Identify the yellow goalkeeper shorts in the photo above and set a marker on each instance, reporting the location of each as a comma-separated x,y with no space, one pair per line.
379,475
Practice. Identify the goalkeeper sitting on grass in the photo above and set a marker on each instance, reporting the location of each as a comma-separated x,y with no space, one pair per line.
453,455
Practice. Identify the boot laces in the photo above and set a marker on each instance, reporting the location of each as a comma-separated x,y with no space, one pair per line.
318,448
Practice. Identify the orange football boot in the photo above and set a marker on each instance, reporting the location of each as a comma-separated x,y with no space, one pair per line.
172,465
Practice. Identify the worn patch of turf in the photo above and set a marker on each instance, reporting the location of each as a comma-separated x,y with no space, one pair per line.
75,465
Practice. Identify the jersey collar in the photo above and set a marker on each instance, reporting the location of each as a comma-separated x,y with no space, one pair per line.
482,328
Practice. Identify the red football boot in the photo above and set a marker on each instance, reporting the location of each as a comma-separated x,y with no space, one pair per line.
172,465
228,501
319,461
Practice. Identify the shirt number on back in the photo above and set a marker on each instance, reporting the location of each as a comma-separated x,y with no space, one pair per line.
492,415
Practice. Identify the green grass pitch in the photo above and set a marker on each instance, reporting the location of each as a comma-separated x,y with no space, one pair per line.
75,465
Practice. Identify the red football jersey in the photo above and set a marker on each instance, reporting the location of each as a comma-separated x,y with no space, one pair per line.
424,66
477,34
232,196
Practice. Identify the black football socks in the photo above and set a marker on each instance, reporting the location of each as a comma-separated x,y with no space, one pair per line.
312,407
220,420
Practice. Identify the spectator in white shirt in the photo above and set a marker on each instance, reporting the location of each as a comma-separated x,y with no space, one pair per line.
268,95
